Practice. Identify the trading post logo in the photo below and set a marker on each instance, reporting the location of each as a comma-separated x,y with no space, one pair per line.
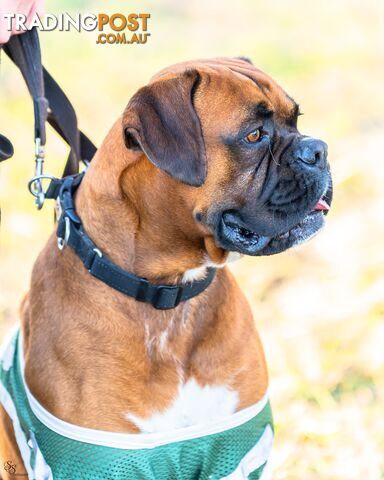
118,28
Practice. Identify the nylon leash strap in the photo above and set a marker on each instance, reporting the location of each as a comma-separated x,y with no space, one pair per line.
50,104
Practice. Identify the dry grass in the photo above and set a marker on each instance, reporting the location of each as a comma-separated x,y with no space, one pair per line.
319,308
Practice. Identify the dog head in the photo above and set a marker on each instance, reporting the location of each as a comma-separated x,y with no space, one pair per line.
228,133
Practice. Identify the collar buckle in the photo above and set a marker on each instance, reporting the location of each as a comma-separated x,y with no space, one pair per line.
166,298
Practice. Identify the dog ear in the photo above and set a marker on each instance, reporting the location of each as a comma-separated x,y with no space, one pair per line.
160,119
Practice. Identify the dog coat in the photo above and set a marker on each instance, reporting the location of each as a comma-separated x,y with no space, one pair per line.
234,448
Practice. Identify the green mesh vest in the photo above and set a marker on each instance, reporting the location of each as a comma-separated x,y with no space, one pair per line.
234,448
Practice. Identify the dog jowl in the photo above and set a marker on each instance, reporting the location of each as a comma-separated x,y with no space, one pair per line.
227,128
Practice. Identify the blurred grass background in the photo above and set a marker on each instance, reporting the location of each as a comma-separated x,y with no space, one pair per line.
320,307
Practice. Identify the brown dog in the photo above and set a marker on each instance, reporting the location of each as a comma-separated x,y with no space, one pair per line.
206,160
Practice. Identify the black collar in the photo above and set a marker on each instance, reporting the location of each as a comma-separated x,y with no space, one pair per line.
70,232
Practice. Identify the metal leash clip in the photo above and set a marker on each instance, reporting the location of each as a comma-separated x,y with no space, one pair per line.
62,242
35,185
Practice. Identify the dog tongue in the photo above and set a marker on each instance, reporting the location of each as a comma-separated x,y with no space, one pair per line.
322,205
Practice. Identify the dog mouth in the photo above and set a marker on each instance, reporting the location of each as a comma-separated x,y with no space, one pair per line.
236,238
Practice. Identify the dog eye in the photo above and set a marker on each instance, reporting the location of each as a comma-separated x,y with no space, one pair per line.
254,136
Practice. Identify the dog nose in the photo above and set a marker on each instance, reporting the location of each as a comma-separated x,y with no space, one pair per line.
312,152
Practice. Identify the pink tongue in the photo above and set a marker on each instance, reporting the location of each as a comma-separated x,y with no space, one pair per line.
322,205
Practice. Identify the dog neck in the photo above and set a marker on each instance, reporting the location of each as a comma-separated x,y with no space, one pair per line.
142,218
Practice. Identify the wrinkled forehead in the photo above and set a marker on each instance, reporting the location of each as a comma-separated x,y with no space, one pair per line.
231,91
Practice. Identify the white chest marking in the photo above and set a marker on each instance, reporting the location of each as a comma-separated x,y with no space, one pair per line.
200,272
194,405
194,274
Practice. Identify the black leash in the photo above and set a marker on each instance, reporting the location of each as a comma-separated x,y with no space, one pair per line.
52,105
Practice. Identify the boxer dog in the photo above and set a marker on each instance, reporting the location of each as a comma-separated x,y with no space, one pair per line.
206,164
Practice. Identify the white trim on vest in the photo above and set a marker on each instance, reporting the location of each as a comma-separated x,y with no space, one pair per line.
255,458
7,348
136,441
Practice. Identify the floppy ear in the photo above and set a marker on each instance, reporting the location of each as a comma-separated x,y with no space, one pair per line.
160,119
